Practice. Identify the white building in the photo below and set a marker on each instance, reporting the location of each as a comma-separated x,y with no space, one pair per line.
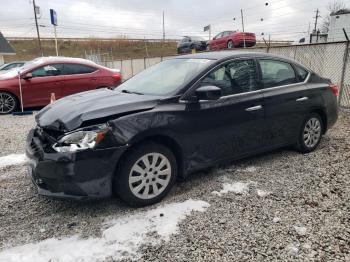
339,20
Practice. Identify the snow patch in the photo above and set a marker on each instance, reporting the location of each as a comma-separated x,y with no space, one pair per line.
262,193
250,169
12,160
292,248
301,230
121,238
238,188
276,219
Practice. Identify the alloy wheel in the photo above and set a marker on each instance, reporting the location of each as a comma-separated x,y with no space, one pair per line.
150,175
312,132
7,103
230,45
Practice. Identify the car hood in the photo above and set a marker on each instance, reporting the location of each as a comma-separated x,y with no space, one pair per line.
71,112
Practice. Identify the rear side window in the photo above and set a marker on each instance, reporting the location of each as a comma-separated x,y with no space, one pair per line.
74,69
276,73
301,73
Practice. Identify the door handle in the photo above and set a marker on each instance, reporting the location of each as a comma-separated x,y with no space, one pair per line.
301,99
254,108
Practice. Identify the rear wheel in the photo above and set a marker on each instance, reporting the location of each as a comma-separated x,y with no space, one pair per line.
8,103
147,174
310,134
230,44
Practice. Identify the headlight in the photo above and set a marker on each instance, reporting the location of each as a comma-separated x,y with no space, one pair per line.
82,139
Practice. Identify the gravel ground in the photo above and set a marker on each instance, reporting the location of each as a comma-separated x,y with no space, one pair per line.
292,206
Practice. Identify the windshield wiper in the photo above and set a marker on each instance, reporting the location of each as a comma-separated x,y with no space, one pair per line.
131,92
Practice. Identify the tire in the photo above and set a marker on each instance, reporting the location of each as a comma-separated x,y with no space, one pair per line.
8,103
310,134
136,180
230,44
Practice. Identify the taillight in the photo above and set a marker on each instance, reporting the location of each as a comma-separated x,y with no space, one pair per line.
334,89
117,77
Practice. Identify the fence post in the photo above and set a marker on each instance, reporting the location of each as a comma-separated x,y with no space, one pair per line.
144,63
346,57
295,52
132,67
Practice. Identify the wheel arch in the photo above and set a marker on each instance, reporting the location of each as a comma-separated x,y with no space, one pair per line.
12,93
323,115
164,140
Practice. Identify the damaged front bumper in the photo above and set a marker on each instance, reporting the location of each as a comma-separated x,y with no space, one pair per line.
79,175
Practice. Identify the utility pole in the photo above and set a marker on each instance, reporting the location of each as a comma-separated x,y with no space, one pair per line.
243,28
37,28
316,19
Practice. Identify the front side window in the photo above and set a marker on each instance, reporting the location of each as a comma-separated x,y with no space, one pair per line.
235,77
218,36
166,77
48,70
276,73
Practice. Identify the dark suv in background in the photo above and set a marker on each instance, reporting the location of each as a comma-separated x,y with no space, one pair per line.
191,42
179,116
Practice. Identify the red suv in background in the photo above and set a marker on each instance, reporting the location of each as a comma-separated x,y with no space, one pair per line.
231,39
59,75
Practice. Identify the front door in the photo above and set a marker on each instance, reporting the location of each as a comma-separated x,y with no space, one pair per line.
232,125
45,81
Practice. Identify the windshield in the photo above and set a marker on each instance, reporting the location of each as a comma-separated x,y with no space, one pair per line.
165,78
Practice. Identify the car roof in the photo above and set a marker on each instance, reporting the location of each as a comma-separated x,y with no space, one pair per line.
62,59
225,55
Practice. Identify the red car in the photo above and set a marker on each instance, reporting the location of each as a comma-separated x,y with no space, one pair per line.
59,75
231,39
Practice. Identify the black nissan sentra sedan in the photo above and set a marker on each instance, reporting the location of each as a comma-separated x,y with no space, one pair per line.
179,116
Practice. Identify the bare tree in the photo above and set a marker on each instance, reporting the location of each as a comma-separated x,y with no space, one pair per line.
332,7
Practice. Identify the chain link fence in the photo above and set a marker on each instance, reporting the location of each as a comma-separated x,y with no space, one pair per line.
330,60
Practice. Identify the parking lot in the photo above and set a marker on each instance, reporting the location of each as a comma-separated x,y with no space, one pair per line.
280,205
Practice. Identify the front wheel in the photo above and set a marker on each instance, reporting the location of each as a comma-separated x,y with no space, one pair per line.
8,103
230,44
310,133
146,175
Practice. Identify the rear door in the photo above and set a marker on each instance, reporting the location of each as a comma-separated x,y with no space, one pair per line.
79,78
286,100
45,80
224,39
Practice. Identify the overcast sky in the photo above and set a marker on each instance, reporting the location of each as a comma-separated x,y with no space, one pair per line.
283,19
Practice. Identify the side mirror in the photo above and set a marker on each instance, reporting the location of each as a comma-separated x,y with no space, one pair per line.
208,93
27,76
